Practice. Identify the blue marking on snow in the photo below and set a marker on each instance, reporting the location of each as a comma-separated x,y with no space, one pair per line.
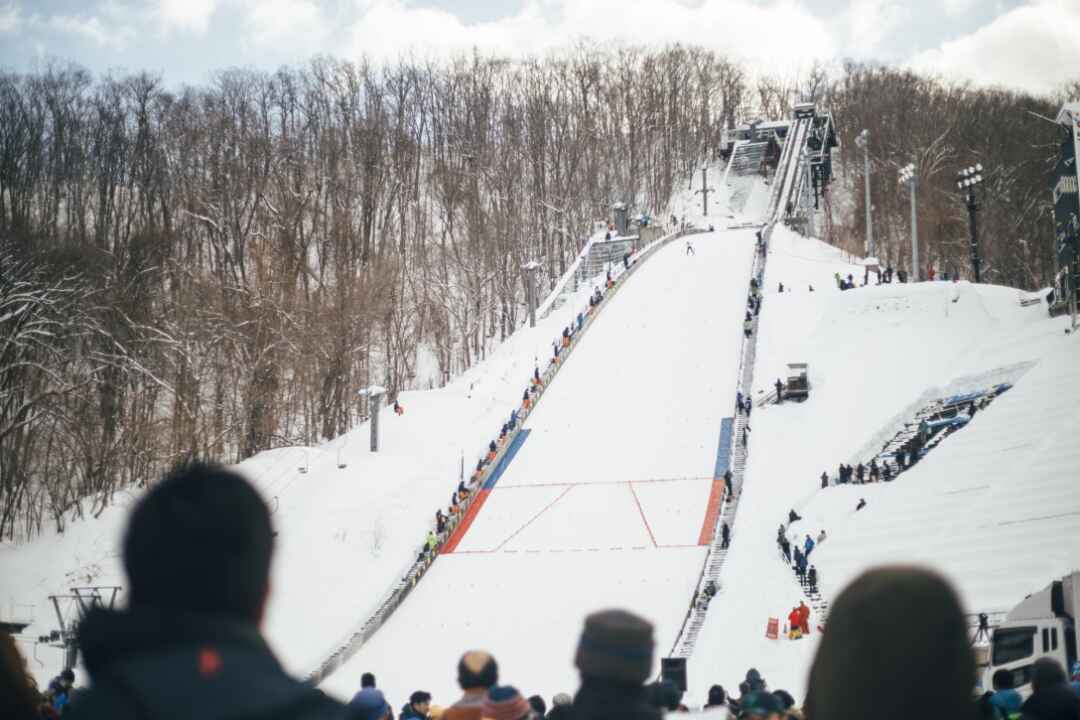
504,461
723,450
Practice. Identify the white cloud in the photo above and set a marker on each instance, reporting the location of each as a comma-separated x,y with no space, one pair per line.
782,34
9,17
1033,47
108,35
872,21
189,15
298,25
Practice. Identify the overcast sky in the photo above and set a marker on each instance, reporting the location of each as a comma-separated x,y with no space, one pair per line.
1028,44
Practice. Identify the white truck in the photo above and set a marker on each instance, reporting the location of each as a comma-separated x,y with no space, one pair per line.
1045,624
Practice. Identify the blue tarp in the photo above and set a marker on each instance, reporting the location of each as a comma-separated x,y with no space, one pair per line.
723,449
504,461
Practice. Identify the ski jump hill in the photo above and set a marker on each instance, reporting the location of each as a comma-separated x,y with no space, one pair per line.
607,496
606,499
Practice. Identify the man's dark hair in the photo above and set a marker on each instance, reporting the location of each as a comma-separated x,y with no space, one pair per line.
1046,673
1003,679
477,669
367,680
419,697
200,542
538,705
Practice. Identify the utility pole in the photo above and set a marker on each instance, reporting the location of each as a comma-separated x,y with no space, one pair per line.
909,175
704,191
862,140
967,180
374,395
530,269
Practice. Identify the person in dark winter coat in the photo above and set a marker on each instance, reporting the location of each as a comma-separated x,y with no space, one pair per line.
725,535
785,547
738,403
860,473
197,553
717,698
886,472
889,620
824,480
811,579
727,482
1051,696
779,391
793,516
614,658
861,505
418,707
748,405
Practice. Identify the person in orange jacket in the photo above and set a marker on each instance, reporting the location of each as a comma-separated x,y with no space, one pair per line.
804,618
794,624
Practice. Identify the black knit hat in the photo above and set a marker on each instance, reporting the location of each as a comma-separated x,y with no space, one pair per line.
616,645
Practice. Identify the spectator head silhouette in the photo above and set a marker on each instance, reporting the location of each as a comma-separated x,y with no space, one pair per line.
1003,680
538,705
18,697
1046,673
367,680
615,646
200,542
369,704
717,696
895,633
477,669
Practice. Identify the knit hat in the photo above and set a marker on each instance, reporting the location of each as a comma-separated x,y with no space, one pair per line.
504,703
369,704
562,699
717,696
616,645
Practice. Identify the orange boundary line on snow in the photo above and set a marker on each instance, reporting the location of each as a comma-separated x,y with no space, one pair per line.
463,526
712,511
642,511
533,519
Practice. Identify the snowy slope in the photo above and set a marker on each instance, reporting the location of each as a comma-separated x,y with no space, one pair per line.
346,534
993,506
603,504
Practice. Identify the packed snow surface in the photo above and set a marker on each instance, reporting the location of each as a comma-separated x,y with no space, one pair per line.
994,507
603,504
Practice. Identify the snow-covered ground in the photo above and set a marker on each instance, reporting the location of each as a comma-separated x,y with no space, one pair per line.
994,507
345,533
604,503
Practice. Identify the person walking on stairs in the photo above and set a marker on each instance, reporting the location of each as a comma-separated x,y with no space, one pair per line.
725,535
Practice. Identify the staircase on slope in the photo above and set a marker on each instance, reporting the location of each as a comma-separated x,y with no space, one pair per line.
742,164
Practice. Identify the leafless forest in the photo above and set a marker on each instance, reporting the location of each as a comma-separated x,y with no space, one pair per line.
215,270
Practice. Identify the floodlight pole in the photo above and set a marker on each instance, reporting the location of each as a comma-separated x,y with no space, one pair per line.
863,141
973,208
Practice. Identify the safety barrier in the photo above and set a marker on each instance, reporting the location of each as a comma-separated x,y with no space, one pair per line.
401,590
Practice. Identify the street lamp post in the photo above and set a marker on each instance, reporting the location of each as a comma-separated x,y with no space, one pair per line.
862,140
909,176
967,179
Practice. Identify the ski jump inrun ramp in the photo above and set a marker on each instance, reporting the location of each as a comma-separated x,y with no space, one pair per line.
604,500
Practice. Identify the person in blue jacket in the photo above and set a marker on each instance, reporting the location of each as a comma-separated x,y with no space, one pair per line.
808,546
1006,698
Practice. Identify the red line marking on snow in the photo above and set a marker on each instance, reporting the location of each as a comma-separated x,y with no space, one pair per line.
712,511
640,510
466,522
533,518
601,482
